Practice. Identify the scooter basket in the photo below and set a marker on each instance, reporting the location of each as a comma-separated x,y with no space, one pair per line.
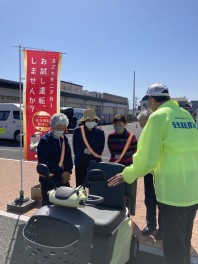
50,237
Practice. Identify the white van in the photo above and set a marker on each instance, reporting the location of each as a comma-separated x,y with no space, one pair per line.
10,122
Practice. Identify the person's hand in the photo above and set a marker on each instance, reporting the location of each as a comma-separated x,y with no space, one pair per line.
66,177
115,180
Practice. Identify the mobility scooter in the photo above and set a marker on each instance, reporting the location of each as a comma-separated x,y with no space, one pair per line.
84,225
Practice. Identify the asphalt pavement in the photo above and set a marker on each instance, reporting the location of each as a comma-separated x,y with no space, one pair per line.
9,149
12,243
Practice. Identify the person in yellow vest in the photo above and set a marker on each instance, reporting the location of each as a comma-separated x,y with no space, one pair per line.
168,146
88,144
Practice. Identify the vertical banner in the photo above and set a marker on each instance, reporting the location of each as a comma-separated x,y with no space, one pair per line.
41,96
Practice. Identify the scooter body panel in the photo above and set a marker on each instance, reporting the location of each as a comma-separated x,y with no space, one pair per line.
111,237
76,200
122,242
58,235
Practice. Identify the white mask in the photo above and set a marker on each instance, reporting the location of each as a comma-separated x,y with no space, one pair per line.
90,124
150,110
58,133
150,104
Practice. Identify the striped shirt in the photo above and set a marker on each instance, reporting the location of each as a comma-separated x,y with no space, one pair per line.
117,142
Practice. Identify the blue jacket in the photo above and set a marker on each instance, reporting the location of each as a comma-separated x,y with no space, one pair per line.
49,153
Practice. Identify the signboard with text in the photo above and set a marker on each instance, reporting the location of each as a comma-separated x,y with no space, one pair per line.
41,96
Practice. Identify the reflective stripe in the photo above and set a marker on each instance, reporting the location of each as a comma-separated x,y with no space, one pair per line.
125,148
87,144
62,155
62,152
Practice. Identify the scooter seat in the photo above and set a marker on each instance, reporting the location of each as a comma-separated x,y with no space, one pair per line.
106,219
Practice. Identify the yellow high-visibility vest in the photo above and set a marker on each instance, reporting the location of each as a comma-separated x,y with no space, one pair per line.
168,146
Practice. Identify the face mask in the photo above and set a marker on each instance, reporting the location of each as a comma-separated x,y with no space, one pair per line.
58,133
150,105
90,124
150,110
118,129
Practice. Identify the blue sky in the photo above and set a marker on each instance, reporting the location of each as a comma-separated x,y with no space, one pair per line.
106,40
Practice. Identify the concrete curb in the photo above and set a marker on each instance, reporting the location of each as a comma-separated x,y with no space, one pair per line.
15,216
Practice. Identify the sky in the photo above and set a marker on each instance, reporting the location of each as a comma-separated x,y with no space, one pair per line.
105,41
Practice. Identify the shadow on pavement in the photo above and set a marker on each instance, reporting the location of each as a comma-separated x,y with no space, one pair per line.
9,143
145,258
11,241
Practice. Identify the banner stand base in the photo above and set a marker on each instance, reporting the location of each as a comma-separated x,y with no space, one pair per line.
21,205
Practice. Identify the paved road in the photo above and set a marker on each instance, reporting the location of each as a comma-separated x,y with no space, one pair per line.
10,149
12,244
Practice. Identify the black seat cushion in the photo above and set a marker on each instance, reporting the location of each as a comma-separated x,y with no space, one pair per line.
106,219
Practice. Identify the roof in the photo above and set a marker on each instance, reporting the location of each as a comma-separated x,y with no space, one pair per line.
72,83
15,85
180,99
9,84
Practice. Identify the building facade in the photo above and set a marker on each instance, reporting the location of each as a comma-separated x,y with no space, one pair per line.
73,95
182,101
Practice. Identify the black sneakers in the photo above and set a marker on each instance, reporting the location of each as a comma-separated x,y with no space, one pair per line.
148,230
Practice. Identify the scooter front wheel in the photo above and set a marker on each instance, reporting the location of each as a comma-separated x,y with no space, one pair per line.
134,250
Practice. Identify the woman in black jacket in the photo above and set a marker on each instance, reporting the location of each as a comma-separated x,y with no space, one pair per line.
88,144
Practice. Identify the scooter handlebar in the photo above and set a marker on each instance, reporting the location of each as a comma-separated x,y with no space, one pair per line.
94,199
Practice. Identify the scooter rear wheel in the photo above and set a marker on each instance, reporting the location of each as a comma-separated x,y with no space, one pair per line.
134,250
